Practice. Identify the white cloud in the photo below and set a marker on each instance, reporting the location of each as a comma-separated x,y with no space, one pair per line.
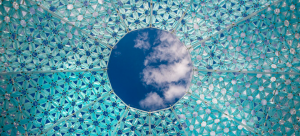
169,49
146,62
167,73
152,101
142,41
178,65
174,91
117,53
171,77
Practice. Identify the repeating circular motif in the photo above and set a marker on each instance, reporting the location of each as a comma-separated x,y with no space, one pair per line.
54,55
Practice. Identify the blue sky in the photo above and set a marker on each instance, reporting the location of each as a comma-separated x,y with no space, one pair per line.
149,69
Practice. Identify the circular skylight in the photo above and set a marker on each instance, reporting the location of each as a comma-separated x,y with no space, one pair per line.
151,64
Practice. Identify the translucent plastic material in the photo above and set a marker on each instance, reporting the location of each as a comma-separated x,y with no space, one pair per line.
54,55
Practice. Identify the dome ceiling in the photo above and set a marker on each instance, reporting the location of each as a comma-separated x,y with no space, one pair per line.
54,55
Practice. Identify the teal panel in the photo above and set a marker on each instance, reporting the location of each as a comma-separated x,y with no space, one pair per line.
258,101
165,122
135,13
99,119
205,18
167,13
199,118
34,102
268,41
97,18
43,42
135,123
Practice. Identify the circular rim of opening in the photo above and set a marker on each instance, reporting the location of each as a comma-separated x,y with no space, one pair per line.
190,80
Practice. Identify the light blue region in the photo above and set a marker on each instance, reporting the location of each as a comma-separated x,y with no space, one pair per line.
260,36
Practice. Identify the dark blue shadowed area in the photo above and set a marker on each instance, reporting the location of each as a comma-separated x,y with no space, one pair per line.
126,65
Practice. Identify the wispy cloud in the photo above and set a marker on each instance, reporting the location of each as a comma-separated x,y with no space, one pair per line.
152,101
167,73
169,49
171,77
142,41
174,91
117,53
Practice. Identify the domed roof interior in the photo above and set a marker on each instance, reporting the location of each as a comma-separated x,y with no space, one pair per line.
54,56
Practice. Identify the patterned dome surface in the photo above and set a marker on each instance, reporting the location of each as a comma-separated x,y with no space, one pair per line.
54,55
